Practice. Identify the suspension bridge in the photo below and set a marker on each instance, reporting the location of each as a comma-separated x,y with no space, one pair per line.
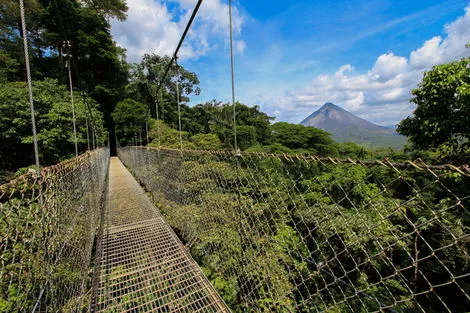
214,231
143,266
157,229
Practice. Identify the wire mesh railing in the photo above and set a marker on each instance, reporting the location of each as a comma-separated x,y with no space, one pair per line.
48,223
279,233
143,266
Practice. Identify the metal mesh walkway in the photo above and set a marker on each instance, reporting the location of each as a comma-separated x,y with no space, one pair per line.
143,266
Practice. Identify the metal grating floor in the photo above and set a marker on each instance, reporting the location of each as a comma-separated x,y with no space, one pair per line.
144,267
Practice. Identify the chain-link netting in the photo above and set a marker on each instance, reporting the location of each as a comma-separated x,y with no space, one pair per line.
143,266
48,223
278,233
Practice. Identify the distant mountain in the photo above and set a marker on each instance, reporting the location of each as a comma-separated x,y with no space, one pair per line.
345,126
393,127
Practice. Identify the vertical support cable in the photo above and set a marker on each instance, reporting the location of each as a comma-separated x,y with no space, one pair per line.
235,143
68,65
33,123
90,120
30,87
178,100
73,112
93,136
147,129
87,134
158,123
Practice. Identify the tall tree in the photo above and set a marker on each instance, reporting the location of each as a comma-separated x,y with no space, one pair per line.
11,43
443,106
54,120
84,24
86,27
310,139
217,117
130,117
148,74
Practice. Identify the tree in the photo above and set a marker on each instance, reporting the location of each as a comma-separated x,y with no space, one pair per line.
246,136
148,74
53,119
85,25
206,142
353,150
217,117
109,8
252,116
443,107
308,139
11,42
130,117
164,136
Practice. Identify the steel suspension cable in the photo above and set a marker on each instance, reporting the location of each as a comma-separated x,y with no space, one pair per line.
68,56
30,86
235,143
170,63
147,116
147,132
158,124
175,54
179,103
90,113
88,109
74,122
66,53
87,134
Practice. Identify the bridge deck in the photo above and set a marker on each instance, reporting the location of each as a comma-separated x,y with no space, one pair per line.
144,267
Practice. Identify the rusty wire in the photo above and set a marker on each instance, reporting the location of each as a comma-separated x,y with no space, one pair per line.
281,233
48,222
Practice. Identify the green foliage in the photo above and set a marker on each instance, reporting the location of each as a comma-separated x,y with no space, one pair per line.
163,135
54,123
442,115
353,150
284,235
206,142
310,139
85,24
454,151
147,75
217,117
109,8
11,45
130,117
246,136
46,251
273,148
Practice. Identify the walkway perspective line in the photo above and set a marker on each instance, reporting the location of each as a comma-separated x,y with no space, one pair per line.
143,266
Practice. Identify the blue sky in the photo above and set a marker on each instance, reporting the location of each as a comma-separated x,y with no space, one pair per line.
292,56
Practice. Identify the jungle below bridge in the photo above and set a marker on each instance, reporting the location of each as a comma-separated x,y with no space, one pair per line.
216,231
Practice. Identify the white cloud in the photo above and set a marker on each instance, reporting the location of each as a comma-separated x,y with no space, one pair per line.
388,66
381,94
153,26
240,46
428,55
